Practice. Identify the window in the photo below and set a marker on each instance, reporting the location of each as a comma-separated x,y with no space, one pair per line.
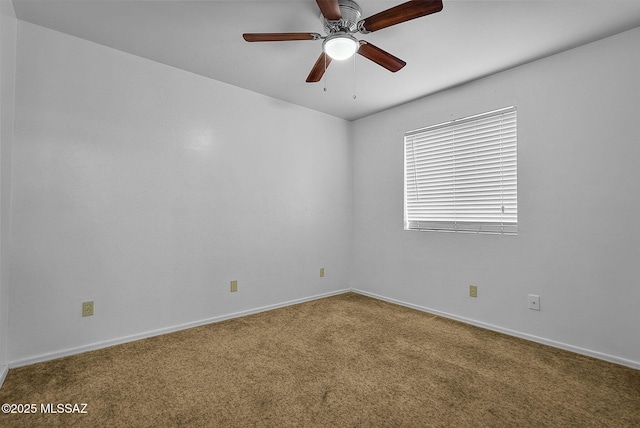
461,176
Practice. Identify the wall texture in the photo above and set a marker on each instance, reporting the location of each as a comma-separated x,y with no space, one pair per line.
147,189
8,31
579,238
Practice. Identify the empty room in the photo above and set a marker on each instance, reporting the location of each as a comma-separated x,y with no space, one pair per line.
319,213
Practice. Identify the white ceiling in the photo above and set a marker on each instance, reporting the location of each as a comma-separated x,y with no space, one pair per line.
466,41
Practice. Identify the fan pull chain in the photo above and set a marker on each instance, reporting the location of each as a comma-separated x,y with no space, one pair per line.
354,76
324,75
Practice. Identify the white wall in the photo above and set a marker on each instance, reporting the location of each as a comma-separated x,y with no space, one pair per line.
148,189
579,204
8,26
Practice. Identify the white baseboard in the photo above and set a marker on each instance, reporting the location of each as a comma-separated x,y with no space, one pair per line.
3,374
104,344
121,340
542,340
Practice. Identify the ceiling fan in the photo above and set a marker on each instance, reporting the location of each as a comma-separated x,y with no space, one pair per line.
341,19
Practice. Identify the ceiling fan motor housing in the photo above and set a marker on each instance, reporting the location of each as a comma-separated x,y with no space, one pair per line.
348,23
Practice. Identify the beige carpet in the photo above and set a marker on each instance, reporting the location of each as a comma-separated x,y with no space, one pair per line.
343,361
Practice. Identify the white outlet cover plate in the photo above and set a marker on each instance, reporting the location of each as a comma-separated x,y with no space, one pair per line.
534,302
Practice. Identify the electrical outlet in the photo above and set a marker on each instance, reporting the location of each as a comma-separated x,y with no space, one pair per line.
87,309
534,302
234,286
321,272
473,291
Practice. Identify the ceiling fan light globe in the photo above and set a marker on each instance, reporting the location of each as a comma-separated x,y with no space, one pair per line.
340,47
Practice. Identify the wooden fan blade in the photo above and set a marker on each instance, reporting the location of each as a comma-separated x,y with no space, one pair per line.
279,37
319,68
330,9
380,57
401,13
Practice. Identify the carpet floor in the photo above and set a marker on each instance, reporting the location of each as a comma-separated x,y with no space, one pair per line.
342,361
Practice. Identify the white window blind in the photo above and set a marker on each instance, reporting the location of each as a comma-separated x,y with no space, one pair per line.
462,175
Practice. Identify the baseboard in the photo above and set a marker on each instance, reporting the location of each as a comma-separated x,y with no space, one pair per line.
3,373
105,344
542,340
132,338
